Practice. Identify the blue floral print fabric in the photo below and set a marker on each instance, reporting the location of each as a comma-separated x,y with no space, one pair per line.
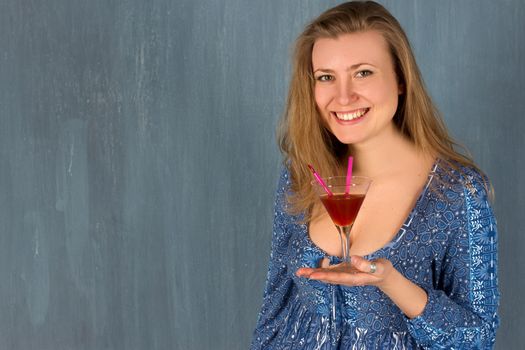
447,246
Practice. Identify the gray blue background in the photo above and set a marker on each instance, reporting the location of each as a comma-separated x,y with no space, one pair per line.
138,159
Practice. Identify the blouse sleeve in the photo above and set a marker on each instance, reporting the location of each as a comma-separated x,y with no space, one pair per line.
463,314
278,284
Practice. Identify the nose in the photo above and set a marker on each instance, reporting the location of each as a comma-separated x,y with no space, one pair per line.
345,92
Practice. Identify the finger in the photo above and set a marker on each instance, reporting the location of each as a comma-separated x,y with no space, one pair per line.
330,276
366,266
343,278
308,271
304,272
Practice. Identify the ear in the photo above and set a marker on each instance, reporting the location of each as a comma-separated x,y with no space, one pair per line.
400,89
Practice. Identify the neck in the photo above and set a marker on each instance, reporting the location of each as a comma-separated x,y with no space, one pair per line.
385,155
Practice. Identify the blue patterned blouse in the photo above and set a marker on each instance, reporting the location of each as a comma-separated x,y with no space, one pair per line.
447,245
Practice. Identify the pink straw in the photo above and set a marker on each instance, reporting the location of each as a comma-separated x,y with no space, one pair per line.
349,175
321,182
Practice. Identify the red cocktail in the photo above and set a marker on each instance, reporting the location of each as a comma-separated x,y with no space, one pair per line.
342,204
343,208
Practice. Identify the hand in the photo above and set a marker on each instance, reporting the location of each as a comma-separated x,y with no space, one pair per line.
358,274
408,296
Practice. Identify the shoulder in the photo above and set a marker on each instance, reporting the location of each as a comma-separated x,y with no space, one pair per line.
474,180
468,181
282,193
284,212
284,177
283,186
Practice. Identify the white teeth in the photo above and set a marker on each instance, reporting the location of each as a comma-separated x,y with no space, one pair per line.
351,116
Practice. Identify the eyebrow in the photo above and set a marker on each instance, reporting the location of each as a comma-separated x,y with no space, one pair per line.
352,67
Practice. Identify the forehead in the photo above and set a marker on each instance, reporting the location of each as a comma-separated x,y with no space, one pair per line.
349,49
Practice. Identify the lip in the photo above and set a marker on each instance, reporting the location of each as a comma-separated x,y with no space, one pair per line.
350,122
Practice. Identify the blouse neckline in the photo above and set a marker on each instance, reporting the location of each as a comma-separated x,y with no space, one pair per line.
400,233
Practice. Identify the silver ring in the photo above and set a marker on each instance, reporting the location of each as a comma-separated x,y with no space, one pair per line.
373,267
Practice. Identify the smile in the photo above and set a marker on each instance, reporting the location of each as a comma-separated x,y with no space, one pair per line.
347,116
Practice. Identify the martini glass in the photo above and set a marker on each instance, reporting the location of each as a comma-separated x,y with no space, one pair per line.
343,204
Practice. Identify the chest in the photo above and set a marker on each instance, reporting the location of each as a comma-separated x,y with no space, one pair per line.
385,209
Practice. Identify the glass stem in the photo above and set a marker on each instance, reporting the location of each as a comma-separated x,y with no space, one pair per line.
344,233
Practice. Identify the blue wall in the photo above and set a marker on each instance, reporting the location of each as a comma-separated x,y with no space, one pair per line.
138,159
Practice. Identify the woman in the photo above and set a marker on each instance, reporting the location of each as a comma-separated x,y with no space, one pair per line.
424,245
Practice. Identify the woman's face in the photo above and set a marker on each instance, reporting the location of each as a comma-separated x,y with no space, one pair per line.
356,89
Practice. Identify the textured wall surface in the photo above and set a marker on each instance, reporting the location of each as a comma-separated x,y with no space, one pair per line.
138,159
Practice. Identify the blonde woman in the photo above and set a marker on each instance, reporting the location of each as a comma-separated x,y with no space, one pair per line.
424,245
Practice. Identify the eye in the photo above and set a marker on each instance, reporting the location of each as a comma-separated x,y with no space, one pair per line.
363,73
324,77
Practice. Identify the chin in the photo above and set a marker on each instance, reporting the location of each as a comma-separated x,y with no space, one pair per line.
347,139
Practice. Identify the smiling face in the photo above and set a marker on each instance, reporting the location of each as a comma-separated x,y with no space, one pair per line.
356,89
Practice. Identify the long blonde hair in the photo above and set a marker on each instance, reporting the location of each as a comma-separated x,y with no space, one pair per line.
305,139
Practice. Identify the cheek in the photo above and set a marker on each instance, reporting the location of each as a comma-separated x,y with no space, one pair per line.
318,97
385,95
322,97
